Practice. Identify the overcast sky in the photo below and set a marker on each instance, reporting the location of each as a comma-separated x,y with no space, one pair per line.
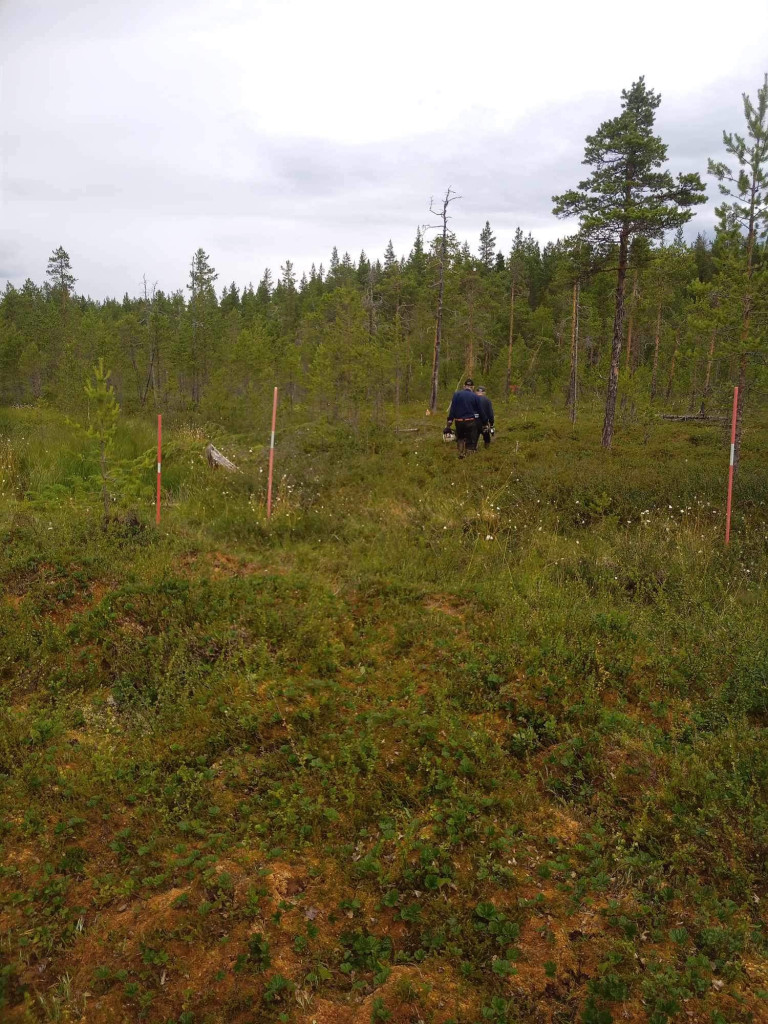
132,133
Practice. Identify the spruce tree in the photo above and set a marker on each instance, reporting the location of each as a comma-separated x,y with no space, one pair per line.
390,259
417,260
518,272
265,288
627,196
487,247
201,304
288,276
230,298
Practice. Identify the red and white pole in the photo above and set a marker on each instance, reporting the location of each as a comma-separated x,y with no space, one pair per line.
271,456
730,467
159,464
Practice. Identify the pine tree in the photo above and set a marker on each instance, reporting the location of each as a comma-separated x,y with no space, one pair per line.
743,225
627,195
60,273
103,412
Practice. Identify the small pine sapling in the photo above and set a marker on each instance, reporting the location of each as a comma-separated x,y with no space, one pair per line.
103,413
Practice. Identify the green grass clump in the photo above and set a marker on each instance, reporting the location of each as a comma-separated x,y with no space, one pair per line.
477,740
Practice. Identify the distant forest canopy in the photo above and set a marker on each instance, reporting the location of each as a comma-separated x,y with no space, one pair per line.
361,333
359,336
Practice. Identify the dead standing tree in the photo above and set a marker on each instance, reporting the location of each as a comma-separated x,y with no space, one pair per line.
450,197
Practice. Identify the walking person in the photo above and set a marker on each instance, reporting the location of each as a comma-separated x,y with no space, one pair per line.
466,413
486,413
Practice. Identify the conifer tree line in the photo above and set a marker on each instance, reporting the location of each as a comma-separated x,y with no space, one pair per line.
624,311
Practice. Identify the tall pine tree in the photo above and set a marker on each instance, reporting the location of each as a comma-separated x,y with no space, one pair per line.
743,225
627,196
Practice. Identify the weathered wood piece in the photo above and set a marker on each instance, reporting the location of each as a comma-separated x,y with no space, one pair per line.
216,459
695,418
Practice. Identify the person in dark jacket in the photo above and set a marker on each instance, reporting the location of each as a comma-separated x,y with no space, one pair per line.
487,412
466,413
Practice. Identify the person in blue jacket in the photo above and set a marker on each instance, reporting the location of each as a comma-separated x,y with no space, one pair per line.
487,408
468,416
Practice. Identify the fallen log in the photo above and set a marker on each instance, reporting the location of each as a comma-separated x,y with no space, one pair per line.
694,418
216,459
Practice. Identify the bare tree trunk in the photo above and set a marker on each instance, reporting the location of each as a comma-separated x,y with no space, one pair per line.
618,325
656,340
572,392
134,363
672,364
708,378
694,375
471,352
440,294
151,325
511,337
745,325
438,340
408,367
628,361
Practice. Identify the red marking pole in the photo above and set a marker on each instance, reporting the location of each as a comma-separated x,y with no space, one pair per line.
271,456
730,467
159,464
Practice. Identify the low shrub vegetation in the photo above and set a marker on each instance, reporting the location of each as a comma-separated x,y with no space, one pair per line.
441,741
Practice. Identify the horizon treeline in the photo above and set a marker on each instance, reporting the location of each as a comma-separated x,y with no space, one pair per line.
360,335
624,300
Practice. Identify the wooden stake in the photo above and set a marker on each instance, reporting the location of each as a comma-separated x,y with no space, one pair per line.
730,467
271,455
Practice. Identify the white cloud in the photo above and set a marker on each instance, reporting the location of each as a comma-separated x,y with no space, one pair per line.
133,133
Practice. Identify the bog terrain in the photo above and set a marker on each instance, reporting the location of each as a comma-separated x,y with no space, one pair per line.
441,742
